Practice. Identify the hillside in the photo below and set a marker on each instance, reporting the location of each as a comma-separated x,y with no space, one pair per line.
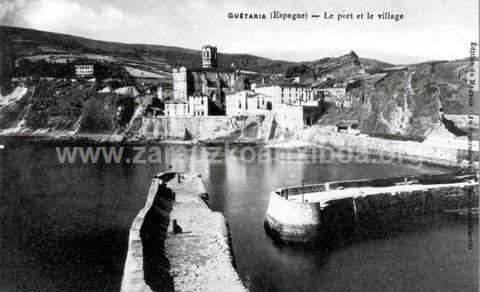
29,42
406,103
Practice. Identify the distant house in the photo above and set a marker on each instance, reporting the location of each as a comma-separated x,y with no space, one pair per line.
84,70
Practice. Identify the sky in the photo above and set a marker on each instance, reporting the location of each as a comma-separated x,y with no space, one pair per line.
431,29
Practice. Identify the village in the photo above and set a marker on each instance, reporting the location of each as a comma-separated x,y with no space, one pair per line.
209,91
210,98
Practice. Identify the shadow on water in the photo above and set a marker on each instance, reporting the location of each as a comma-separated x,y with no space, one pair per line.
66,261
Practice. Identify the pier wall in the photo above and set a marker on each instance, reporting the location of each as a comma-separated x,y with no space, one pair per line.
397,151
146,266
384,213
292,221
193,255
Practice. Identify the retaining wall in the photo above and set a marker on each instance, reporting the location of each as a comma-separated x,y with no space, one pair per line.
398,150
174,127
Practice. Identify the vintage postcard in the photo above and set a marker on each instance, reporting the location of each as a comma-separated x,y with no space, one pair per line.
217,146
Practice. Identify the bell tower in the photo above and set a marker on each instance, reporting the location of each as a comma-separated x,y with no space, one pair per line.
209,56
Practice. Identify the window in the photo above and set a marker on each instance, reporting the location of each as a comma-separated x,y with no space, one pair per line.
239,105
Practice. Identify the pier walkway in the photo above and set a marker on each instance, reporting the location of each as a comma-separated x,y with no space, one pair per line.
323,197
192,255
200,257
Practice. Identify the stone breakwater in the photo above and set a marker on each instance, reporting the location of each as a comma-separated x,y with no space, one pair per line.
396,151
311,213
192,254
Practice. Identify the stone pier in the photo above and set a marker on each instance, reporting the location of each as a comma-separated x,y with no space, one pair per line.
192,254
305,214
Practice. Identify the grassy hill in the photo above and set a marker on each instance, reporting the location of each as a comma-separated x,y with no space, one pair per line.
29,42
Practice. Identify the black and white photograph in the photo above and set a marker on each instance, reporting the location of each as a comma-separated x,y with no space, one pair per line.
239,145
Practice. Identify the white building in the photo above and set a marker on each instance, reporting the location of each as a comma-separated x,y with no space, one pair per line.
84,70
195,106
198,105
247,103
180,83
176,108
287,93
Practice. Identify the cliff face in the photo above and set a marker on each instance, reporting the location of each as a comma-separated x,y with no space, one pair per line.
406,102
335,68
61,106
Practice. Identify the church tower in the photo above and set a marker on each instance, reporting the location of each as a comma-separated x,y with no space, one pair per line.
209,56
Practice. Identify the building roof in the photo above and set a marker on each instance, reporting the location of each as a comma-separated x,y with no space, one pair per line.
175,101
284,84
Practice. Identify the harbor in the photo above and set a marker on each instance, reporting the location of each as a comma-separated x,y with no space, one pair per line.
65,231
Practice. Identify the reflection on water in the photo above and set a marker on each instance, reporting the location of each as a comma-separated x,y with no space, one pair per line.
65,227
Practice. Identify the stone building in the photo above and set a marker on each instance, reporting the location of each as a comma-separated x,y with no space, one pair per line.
209,80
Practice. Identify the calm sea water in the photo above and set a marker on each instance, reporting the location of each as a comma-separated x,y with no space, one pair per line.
64,227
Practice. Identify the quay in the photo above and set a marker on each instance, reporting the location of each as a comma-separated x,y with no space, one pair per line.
307,213
177,243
